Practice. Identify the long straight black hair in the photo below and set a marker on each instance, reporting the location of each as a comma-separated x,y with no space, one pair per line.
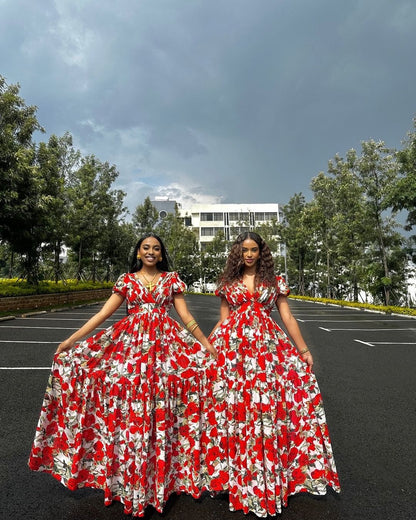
136,264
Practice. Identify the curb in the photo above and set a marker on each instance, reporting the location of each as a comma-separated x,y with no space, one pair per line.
362,309
60,309
34,313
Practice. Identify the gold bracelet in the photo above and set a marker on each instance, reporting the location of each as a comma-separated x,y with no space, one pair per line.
190,323
194,327
301,352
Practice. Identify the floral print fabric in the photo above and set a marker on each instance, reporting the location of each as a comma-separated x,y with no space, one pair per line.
122,409
266,435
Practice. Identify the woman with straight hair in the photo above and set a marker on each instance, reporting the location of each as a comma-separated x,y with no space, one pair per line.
122,408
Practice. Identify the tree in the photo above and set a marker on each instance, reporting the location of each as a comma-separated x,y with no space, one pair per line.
116,247
182,246
295,237
56,159
350,224
21,197
213,258
403,193
93,208
145,217
377,171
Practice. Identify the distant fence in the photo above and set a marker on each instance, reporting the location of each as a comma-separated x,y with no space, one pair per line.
38,301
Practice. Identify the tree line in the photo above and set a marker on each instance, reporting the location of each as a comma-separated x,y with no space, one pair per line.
347,241
344,243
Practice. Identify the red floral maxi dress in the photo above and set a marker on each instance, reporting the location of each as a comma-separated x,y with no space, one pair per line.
122,409
266,435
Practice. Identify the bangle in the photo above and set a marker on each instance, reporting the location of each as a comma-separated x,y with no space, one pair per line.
194,327
188,325
301,352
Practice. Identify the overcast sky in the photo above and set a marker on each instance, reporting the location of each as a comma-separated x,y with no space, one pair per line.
215,100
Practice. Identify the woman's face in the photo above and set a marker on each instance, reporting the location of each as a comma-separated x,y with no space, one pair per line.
150,251
250,251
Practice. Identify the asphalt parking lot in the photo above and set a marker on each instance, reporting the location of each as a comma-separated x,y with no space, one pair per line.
365,364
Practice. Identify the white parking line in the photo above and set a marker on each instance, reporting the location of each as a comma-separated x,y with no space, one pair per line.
319,314
367,330
64,319
53,319
28,341
364,342
31,327
356,321
393,343
25,368
374,343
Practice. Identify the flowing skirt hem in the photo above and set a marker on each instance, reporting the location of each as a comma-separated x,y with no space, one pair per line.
110,497
236,505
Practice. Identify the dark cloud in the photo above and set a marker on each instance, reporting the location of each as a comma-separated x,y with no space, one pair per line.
234,101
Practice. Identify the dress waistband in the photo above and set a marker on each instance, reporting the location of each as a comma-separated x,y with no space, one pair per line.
253,304
146,307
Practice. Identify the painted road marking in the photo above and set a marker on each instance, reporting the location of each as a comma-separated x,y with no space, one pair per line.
25,368
374,343
22,341
364,342
367,330
31,327
358,321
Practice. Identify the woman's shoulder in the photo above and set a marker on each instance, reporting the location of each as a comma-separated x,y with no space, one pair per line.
282,286
123,276
122,283
224,288
173,280
170,274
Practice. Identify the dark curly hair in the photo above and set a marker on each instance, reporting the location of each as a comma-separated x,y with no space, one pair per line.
137,264
234,266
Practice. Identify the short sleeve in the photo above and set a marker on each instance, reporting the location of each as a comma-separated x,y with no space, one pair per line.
178,286
220,291
282,287
120,287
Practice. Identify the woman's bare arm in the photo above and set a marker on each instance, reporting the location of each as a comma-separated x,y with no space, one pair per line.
110,306
186,317
224,313
292,327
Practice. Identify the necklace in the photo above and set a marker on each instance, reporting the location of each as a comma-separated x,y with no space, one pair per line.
149,284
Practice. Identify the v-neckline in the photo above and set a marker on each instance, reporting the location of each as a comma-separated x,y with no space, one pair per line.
247,289
162,274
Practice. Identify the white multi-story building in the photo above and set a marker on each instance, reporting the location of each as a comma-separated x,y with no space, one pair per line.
207,220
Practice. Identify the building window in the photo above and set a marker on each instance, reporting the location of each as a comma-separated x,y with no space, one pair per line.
207,217
259,217
207,231
270,216
235,231
244,217
233,216
218,217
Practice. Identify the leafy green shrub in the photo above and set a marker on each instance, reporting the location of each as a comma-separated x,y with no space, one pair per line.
379,308
16,287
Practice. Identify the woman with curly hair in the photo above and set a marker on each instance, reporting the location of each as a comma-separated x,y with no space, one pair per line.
266,436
